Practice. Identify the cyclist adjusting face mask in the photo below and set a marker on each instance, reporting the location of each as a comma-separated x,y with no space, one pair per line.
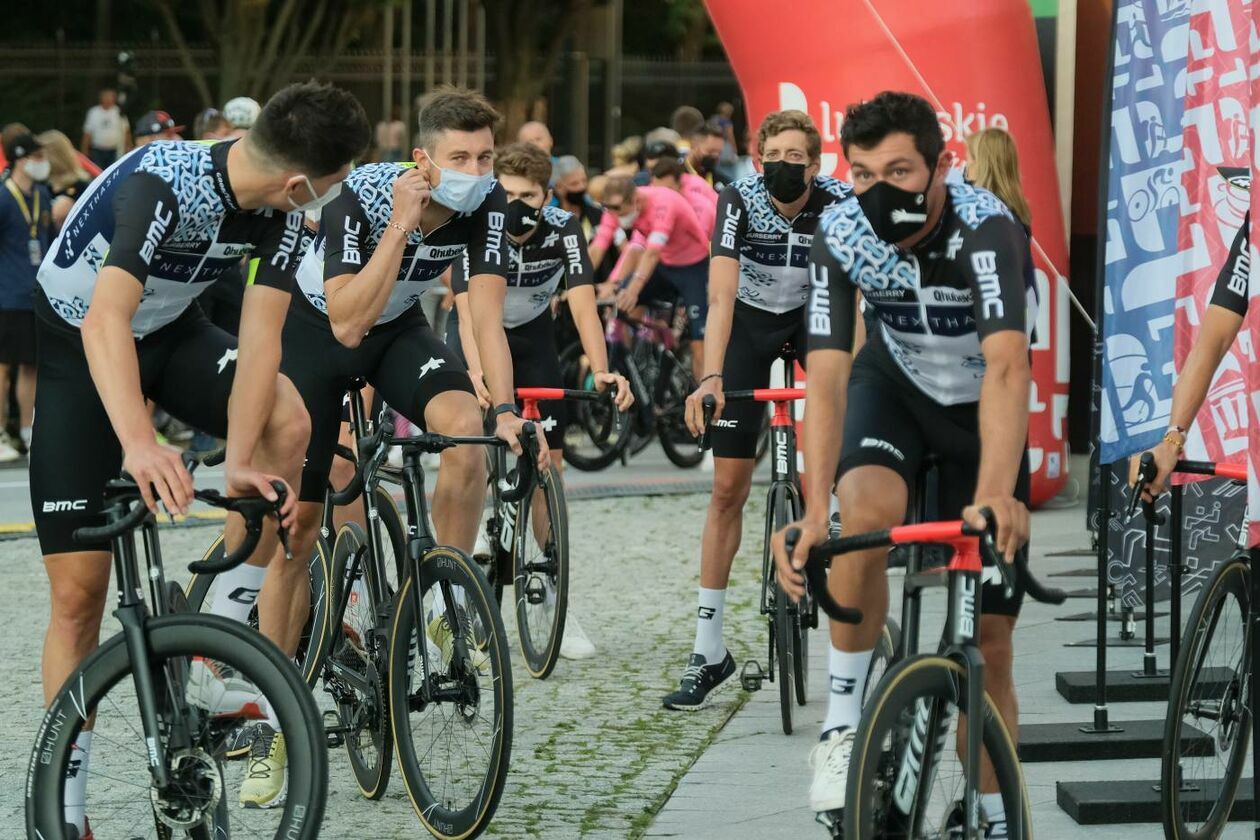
460,191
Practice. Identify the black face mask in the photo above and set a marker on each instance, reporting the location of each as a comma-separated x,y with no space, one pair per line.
784,181
706,165
521,218
575,196
895,214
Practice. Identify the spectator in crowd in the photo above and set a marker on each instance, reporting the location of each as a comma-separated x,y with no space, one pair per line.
654,150
706,152
535,134
391,137
210,124
670,172
685,121
157,125
68,178
105,130
724,118
625,158
570,190
25,233
241,111
993,164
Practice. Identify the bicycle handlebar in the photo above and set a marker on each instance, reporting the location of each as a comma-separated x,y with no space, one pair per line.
607,395
373,450
709,406
1234,472
1147,471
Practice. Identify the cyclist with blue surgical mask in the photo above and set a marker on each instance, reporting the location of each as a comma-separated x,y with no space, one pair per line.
382,243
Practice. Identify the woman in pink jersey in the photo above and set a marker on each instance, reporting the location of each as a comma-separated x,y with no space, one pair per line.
666,240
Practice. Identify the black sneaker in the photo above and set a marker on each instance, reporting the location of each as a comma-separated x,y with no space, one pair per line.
956,825
699,682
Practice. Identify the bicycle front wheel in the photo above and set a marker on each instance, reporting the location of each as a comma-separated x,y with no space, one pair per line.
671,427
452,722
540,563
1208,692
188,656
906,773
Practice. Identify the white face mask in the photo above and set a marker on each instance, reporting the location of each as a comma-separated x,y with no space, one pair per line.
459,191
37,170
628,219
319,200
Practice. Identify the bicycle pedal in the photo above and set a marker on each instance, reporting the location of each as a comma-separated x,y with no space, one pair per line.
751,676
332,733
833,821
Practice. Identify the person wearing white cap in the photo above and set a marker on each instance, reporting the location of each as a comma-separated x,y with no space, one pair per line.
241,111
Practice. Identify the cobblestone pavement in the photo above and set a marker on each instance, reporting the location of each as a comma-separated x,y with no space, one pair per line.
594,754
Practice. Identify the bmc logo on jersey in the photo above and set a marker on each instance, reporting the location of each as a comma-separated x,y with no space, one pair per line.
573,250
288,240
350,246
730,224
819,300
157,230
64,505
494,238
985,265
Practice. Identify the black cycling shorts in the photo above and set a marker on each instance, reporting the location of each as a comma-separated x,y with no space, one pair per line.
186,367
758,338
692,283
889,422
535,364
403,359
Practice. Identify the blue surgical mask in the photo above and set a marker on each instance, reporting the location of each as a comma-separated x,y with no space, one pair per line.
461,192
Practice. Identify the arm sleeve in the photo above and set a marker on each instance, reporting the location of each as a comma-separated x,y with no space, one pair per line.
731,225
459,274
1231,287
487,246
145,214
277,252
993,260
346,229
577,262
829,312
607,230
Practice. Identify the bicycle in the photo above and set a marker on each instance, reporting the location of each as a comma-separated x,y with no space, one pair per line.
442,616
1209,691
789,623
530,543
648,353
905,729
161,682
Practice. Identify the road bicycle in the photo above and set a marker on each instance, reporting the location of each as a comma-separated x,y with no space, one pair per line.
789,623
914,771
165,696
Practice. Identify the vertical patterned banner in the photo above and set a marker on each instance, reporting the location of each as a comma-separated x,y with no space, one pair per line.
1252,322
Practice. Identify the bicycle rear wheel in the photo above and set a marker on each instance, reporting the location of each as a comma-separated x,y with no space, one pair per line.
540,564
671,426
313,643
464,704
786,622
358,662
1208,692
882,659
122,800
597,433
906,773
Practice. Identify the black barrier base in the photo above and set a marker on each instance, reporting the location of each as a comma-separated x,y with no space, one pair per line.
1040,742
1082,593
1090,572
1093,616
1112,802
1122,686
1135,642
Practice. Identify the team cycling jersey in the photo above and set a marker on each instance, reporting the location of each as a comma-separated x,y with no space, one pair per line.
667,224
773,251
1232,284
555,251
353,223
166,214
933,304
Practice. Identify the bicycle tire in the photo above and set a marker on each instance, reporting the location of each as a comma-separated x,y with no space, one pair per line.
366,711
1230,582
882,660
316,629
786,625
391,521
671,428
452,566
531,584
800,615
180,637
887,720
614,440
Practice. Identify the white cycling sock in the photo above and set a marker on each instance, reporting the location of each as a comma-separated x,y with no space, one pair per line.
25,434
848,682
236,591
75,786
709,625
994,812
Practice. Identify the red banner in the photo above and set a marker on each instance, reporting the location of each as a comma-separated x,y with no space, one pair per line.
977,63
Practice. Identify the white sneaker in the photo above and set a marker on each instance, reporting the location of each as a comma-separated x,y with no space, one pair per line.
221,691
830,760
575,644
8,452
481,549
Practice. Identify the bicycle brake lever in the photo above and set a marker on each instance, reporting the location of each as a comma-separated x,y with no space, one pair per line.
709,407
988,544
1146,474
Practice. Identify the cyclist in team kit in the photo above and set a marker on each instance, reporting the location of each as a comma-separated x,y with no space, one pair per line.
946,370
666,243
758,285
118,323
546,247
382,243
1221,322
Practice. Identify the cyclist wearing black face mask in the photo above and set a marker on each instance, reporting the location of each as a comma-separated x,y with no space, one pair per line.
942,267
758,285
569,183
706,151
